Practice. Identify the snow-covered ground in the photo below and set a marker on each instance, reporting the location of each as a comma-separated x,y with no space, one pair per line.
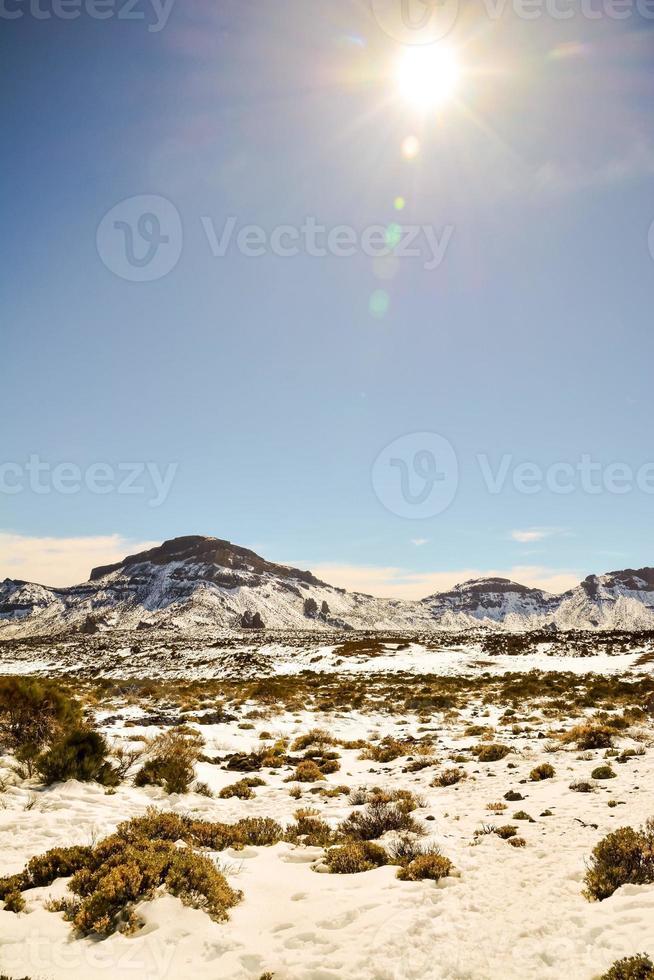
140,655
509,914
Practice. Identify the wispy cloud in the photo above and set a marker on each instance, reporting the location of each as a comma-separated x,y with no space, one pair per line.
62,561
388,582
418,542
531,534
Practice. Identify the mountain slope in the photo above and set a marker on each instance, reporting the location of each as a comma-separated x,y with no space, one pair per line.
208,583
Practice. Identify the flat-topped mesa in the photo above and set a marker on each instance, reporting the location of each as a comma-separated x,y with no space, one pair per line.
198,550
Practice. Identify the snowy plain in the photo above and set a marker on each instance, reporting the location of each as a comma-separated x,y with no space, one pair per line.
508,913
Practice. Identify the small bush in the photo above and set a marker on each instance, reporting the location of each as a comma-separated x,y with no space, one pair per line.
355,857
638,967
310,829
243,789
517,842
582,786
317,737
81,754
34,711
377,819
431,866
603,772
14,902
490,751
623,857
388,750
449,777
171,761
506,831
590,736
306,772
544,771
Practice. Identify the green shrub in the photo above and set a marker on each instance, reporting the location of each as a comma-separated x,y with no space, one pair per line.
625,856
80,754
355,857
543,771
603,772
638,967
34,711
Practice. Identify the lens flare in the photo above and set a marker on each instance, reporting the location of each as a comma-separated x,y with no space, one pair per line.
428,77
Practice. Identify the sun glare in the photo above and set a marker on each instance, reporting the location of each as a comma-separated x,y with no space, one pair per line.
428,77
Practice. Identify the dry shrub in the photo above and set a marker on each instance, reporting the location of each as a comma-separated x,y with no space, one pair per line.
625,856
638,967
490,751
433,866
310,829
355,857
589,736
171,759
243,789
376,819
449,777
306,772
543,771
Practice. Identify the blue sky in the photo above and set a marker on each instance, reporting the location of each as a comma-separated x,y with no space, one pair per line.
266,383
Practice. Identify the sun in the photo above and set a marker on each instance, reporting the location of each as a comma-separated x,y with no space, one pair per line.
428,77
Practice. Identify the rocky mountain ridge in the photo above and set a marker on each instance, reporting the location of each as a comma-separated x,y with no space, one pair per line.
198,582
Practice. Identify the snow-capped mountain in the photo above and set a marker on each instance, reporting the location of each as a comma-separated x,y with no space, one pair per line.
207,583
496,599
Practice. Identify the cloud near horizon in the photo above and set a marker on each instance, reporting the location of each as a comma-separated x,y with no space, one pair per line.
387,582
68,561
531,534
62,561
